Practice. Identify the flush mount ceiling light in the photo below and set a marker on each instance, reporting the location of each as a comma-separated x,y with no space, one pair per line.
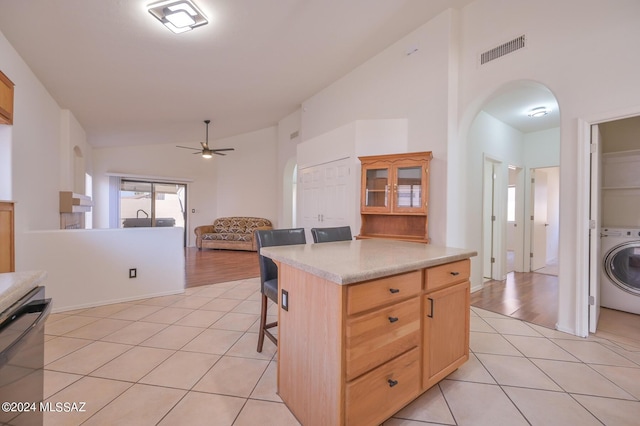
178,15
539,112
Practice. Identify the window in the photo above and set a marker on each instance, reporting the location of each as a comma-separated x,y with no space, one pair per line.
152,204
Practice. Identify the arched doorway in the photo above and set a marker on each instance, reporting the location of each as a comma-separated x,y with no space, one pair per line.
508,144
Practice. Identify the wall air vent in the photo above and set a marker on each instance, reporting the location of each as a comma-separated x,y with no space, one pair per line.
503,49
294,134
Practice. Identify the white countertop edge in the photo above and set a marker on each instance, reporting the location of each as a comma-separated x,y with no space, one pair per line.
310,259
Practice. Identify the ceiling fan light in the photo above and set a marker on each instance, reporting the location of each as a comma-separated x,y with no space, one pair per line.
206,153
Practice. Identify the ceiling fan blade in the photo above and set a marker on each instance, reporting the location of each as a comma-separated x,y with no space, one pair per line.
218,153
205,145
187,147
223,149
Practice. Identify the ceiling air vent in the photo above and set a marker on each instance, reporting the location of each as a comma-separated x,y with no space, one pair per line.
294,134
503,49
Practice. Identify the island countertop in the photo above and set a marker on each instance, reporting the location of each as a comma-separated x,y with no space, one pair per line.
348,262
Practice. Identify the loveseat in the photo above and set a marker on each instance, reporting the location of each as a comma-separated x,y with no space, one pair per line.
232,233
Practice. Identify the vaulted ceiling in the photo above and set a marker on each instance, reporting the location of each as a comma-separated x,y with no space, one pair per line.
130,81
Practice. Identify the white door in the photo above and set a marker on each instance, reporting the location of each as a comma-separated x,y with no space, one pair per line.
336,183
323,191
594,230
309,188
539,219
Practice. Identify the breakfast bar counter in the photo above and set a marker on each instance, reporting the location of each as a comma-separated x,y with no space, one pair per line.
366,326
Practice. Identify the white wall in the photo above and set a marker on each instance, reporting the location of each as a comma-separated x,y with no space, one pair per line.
561,52
542,149
34,139
396,85
5,163
553,213
247,178
241,183
91,267
287,127
73,135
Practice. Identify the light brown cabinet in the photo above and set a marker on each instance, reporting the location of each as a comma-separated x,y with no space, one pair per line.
6,99
356,354
394,197
7,248
446,320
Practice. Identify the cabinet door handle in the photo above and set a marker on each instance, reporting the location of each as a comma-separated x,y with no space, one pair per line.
392,382
393,319
394,290
455,273
431,309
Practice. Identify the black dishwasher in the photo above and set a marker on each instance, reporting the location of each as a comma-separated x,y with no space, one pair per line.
22,359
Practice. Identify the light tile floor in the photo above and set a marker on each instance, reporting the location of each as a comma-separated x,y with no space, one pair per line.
190,359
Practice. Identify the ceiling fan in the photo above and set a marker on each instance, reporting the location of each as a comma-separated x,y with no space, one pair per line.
206,151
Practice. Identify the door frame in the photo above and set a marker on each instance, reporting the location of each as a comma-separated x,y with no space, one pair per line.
595,223
520,213
497,230
583,271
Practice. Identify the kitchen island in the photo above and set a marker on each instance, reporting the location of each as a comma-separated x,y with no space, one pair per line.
366,326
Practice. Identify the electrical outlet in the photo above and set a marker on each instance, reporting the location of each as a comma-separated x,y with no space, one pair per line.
285,300
133,273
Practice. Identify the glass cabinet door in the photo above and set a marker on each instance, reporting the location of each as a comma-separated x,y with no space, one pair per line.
376,188
408,188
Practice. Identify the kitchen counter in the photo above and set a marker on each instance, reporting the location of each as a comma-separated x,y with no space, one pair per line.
366,326
14,285
348,262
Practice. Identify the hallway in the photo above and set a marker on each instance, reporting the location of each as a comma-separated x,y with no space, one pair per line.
528,296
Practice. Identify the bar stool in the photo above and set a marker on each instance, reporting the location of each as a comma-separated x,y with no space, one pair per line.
325,235
269,273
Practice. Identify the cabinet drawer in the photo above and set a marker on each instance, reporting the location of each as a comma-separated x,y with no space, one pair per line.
376,337
449,273
377,395
371,294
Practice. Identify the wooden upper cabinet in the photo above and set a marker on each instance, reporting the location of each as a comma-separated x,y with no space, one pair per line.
6,99
396,183
394,198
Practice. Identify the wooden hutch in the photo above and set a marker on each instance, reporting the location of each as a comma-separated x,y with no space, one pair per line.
394,197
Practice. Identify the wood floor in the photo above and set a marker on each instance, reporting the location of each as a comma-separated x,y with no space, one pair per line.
528,296
531,297
208,266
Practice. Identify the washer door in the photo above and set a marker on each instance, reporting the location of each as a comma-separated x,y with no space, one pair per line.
622,266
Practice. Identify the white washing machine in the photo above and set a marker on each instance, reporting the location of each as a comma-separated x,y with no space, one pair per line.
620,284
